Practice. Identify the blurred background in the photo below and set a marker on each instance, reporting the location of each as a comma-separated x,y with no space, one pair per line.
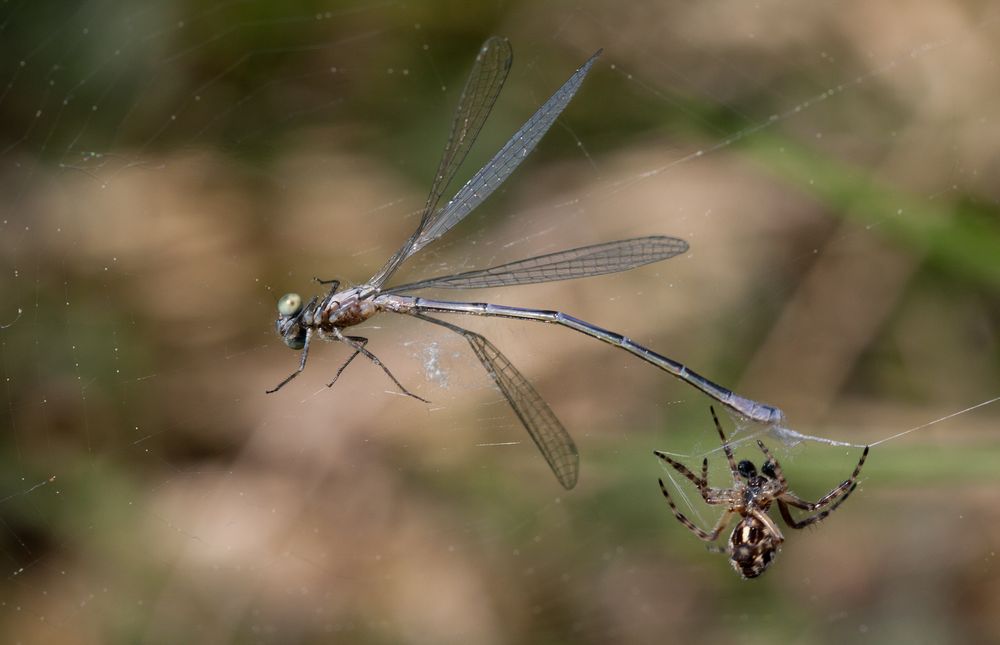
169,169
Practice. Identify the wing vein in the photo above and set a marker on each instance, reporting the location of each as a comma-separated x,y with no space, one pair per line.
545,429
582,262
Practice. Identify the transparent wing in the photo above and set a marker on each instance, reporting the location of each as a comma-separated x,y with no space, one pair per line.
582,262
494,173
538,418
490,176
478,97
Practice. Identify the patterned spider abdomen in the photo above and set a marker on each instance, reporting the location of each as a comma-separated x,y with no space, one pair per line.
752,547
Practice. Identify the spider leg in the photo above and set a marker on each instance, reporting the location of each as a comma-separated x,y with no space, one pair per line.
764,519
704,535
682,469
778,473
302,364
725,446
792,499
360,348
838,496
360,339
812,519
838,492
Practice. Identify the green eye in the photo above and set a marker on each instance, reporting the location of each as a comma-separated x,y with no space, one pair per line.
290,304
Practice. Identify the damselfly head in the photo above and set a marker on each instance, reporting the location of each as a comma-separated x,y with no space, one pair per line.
287,324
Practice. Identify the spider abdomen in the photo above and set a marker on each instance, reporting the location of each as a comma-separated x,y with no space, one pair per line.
752,547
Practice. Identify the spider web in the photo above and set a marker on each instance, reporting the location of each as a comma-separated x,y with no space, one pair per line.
169,169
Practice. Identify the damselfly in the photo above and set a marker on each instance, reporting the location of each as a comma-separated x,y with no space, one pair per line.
329,316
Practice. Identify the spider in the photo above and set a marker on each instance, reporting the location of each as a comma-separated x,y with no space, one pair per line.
756,539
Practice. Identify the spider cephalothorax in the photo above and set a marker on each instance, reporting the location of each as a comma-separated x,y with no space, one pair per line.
756,538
